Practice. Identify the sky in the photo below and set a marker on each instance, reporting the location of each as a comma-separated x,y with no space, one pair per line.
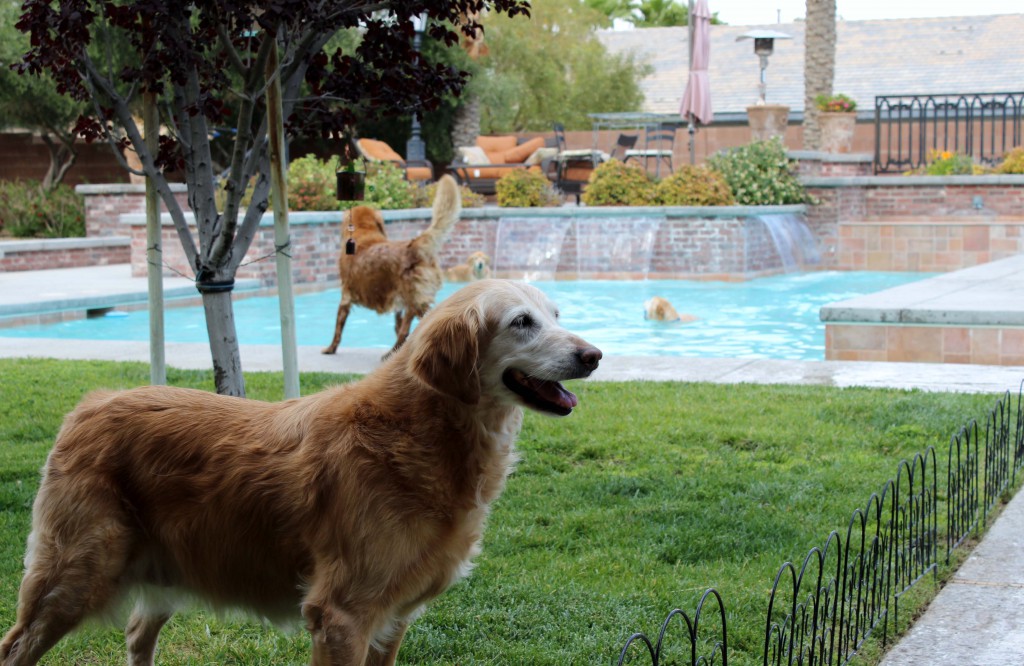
753,12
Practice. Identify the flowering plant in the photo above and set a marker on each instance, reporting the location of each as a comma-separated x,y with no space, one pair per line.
835,103
946,163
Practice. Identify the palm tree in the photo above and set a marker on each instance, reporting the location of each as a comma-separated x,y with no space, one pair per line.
819,63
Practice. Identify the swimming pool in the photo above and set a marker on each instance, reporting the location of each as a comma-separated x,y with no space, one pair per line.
772,317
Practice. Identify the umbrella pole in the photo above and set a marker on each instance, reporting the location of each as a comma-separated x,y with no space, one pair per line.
691,129
689,49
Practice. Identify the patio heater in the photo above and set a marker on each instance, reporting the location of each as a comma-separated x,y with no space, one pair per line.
764,45
415,149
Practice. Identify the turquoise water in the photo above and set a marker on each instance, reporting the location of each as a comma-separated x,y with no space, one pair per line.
773,317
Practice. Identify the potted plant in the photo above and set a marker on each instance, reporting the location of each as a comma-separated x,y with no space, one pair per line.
837,119
351,181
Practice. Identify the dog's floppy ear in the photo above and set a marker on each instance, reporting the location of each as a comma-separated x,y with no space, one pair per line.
446,353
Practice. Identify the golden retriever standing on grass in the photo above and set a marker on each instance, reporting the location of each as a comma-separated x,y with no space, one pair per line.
353,507
393,276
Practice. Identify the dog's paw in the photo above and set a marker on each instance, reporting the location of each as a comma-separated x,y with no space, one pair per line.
328,350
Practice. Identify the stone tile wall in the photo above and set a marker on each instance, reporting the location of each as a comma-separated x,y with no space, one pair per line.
925,344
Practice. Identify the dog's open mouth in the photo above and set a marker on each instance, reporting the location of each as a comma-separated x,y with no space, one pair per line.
542,394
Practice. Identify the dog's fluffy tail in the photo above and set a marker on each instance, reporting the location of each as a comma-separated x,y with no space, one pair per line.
446,211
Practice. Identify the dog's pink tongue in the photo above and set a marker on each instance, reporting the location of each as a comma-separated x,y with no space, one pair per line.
555,393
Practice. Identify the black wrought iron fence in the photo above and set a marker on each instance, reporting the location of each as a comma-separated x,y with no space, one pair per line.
983,125
821,612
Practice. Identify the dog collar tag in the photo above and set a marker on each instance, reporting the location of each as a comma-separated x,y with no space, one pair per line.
350,244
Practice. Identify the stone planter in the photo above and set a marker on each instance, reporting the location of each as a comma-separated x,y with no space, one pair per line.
767,121
837,129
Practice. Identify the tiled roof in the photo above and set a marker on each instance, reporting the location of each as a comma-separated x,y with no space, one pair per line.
882,57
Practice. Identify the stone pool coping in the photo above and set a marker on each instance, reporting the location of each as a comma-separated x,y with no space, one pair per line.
973,315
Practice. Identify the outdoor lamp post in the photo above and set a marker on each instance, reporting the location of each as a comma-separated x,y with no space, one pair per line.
415,149
764,44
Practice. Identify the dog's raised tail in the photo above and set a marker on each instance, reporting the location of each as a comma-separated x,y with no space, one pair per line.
446,211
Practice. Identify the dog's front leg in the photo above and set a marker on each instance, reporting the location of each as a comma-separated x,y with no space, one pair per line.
339,639
388,652
339,325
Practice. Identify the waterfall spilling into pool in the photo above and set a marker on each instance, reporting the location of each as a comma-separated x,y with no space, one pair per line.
543,248
596,245
795,243
530,248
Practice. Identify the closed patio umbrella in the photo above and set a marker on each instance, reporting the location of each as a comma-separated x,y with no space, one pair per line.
696,106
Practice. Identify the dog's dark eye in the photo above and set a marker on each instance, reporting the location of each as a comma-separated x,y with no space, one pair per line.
523,321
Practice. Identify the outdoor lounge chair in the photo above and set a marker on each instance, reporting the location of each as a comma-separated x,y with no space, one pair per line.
378,151
479,167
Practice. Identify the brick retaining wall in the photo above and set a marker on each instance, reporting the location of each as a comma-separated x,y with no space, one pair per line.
917,223
37,255
105,204
590,243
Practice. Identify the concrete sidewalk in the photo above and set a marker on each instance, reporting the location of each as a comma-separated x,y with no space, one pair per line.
976,620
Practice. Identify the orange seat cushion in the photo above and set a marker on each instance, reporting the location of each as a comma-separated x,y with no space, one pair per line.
378,150
521,152
577,173
495,146
419,173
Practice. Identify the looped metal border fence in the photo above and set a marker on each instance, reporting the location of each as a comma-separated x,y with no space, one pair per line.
982,125
655,651
823,612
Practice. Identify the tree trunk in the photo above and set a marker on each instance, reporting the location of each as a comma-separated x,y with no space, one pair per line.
62,158
466,125
220,325
819,64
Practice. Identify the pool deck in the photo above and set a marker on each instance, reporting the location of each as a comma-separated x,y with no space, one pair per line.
973,315
977,616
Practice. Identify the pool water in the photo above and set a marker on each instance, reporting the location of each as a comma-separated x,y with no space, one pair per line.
772,317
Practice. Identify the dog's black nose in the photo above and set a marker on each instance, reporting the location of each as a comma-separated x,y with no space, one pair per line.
589,356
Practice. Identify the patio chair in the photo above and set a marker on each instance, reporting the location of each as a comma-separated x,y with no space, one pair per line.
659,142
574,166
625,142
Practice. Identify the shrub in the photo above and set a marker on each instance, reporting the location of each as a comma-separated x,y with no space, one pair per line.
616,184
26,211
525,188
694,186
312,184
386,187
423,197
760,174
835,103
1013,161
947,163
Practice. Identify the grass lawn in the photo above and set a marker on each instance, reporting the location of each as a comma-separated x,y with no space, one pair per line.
634,505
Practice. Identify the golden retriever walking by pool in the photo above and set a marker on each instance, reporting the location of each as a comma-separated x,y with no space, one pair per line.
393,276
351,508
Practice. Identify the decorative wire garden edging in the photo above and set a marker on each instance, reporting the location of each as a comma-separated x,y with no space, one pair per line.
823,611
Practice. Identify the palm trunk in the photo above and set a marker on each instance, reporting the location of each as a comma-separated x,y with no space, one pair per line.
819,64
466,125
